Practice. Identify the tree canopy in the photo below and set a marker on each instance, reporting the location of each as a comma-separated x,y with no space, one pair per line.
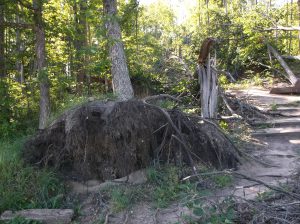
161,40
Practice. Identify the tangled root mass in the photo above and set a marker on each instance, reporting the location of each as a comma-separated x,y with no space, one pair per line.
108,140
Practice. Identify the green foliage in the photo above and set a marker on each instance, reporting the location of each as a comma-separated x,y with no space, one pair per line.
223,180
15,115
223,125
274,106
22,186
123,197
166,185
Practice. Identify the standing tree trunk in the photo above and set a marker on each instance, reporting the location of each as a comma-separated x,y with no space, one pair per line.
20,48
121,82
80,43
40,51
299,25
2,42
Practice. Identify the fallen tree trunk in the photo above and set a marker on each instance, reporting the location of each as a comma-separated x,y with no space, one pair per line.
109,140
291,76
291,57
284,28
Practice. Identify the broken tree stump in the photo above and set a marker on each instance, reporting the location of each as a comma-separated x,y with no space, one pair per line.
208,81
47,216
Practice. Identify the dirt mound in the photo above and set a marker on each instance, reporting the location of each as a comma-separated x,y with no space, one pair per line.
108,140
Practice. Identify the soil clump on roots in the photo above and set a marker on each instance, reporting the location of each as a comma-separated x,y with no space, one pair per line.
108,140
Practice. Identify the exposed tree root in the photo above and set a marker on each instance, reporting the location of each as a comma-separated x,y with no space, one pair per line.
109,140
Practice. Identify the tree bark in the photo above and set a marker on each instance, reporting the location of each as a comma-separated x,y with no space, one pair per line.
2,42
40,51
122,86
209,89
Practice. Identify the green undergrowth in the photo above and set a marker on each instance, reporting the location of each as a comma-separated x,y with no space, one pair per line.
23,186
251,79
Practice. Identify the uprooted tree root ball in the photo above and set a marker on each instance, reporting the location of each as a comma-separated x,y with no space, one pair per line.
107,140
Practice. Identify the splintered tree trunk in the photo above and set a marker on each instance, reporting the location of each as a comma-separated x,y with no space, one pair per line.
209,89
121,82
40,51
2,41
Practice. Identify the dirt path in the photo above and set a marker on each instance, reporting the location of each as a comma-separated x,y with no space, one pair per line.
280,138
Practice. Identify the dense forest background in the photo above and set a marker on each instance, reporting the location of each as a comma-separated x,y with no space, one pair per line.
161,49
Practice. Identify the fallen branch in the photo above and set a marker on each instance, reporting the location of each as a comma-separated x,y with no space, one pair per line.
107,217
284,28
224,72
244,176
272,187
291,57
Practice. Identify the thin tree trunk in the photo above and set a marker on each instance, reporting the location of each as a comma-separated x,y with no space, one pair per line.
207,9
20,48
121,82
299,25
40,51
291,23
2,43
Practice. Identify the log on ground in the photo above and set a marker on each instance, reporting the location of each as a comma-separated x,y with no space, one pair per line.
47,216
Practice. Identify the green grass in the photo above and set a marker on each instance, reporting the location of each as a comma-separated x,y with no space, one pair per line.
124,196
166,185
273,106
222,180
23,186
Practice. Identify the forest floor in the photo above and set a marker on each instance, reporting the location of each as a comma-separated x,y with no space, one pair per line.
276,142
